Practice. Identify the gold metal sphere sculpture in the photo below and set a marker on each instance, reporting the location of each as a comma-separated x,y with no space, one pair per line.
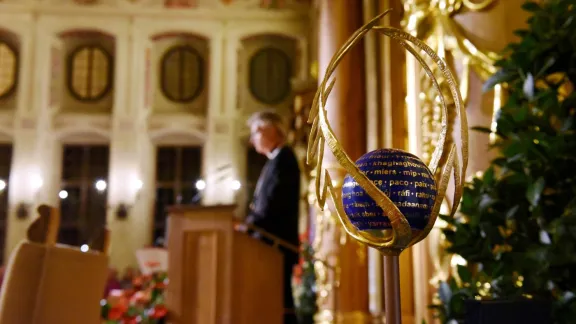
447,158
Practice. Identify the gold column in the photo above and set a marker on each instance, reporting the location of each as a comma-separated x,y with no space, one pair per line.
343,276
467,33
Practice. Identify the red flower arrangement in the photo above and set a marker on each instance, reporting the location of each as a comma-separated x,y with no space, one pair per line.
143,303
304,283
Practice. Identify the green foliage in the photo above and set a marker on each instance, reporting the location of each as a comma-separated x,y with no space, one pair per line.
517,229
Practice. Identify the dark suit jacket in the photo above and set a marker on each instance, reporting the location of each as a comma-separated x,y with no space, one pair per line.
276,201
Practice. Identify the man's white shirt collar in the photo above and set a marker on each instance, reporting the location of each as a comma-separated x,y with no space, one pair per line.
274,153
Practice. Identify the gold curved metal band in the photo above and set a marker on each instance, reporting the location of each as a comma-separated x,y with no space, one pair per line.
477,6
322,133
459,169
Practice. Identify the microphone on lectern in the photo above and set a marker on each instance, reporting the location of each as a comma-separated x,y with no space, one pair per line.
201,184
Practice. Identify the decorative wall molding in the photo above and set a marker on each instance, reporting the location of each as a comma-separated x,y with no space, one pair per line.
177,129
222,126
54,24
152,28
79,128
27,123
199,9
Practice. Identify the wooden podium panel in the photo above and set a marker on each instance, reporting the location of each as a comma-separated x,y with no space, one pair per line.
218,275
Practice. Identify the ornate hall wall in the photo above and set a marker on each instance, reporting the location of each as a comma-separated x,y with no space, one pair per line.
381,99
98,73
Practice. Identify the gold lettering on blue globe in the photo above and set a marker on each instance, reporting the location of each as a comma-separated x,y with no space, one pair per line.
404,178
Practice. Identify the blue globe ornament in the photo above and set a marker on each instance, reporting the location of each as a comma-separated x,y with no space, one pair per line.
403,177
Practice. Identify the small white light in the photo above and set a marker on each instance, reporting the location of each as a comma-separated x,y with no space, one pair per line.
458,260
2,185
138,184
200,184
235,185
63,194
100,185
84,248
37,182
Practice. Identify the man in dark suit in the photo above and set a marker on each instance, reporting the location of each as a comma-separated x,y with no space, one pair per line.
275,204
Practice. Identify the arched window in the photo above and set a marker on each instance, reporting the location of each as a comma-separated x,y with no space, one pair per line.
182,74
8,69
89,73
270,74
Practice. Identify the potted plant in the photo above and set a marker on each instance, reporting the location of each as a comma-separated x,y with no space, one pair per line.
516,228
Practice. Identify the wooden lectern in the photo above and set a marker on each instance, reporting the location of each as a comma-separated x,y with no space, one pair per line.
218,275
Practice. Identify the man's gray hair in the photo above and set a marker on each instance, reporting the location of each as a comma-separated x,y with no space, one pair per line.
268,118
